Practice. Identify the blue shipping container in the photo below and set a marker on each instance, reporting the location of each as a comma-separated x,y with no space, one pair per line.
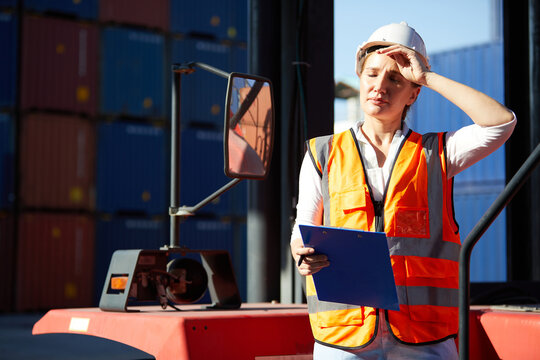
132,73
131,169
201,173
218,19
7,152
122,233
488,259
8,61
203,93
87,9
481,67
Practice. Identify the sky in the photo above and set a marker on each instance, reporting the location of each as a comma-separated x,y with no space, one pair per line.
444,25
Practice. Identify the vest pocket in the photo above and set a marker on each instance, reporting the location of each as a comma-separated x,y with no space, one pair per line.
426,268
352,200
411,222
351,316
351,208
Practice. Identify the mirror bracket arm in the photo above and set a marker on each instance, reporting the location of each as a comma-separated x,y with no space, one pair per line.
181,211
191,210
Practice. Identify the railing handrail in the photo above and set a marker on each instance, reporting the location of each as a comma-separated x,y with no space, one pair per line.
513,186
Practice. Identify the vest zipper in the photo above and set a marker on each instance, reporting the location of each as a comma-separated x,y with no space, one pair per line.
378,206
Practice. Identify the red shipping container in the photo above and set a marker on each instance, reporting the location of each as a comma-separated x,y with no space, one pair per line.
149,13
59,65
55,261
7,262
57,162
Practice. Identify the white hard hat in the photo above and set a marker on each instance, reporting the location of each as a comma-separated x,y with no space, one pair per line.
391,34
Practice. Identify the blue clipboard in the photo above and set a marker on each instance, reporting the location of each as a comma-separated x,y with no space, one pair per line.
360,272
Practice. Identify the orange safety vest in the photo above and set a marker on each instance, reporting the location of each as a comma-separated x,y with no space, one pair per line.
417,215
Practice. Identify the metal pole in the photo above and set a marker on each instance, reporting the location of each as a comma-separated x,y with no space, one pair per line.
465,254
174,240
534,132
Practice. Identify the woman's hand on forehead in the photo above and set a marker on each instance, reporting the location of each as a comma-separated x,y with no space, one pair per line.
411,65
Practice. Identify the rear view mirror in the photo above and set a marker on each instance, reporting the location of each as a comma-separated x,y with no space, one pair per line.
249,126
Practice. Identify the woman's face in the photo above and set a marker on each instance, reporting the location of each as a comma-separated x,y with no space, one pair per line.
384,92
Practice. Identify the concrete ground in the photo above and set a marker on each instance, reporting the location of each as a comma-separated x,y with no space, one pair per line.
18,343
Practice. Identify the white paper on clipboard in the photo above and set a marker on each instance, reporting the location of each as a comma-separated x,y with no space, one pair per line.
360,272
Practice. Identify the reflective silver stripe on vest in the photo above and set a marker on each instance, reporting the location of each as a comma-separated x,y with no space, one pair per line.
430,143
323,146
426,295
421,247
314,305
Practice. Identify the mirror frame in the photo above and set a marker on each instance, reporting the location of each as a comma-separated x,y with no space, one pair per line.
227,122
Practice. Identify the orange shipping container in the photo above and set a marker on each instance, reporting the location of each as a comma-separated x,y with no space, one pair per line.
57,162
55,261
59,65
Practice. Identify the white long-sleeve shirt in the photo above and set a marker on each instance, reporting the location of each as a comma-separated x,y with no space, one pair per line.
464,147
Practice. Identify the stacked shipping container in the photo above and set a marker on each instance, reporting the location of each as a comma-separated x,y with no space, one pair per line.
91,137
8,91
475,189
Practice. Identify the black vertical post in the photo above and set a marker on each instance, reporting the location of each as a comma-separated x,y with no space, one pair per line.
291,42
516,59
289,30
263,218
308,107
534,133
319,76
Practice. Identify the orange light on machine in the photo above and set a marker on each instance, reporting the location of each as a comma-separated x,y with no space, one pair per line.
119,282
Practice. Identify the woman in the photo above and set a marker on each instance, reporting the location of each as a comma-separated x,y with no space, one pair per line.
381,176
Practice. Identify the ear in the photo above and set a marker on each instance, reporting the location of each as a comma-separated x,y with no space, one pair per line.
414,95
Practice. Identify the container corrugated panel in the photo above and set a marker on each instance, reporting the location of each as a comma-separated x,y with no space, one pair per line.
131,170
55,261
132,73
488,260
481,67
238,30
218,19
7,164
202,93
8,60
57,162
86,9
7,265
201,173
121,233
59,65
239,59
149,13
